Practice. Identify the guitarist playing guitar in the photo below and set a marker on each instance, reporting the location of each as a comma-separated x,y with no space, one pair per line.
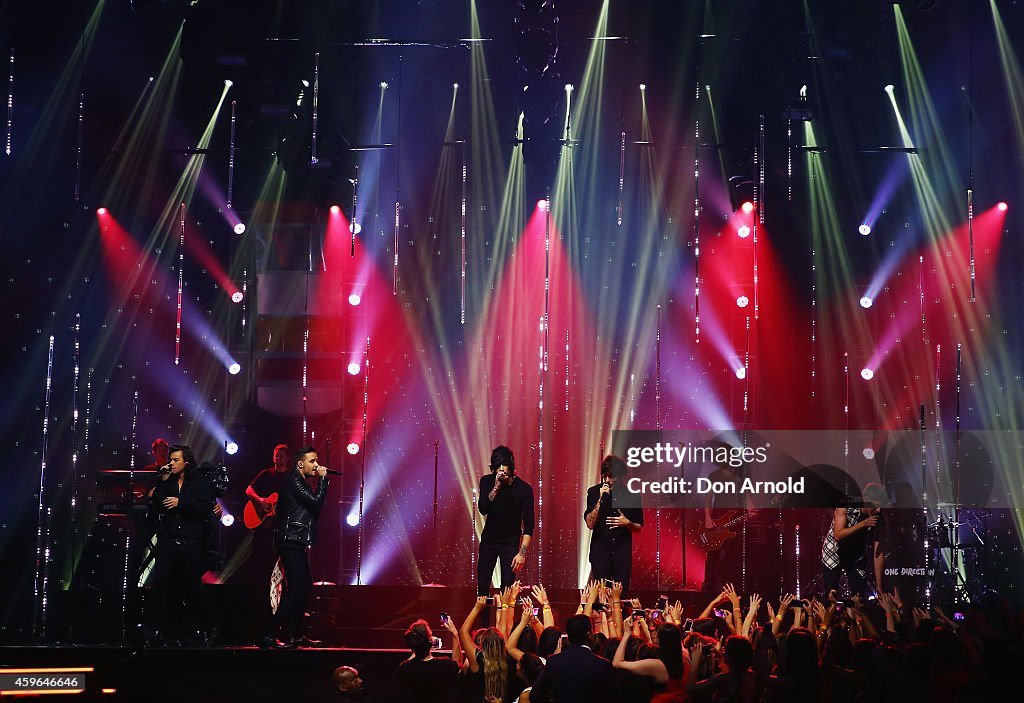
264,490
723,565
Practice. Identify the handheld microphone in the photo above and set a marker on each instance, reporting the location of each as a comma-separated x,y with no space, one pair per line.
332,472
165,469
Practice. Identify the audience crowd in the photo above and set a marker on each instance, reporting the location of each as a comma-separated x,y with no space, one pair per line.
740,649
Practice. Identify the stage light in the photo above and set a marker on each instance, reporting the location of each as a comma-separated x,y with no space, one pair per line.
239,228
103,211
352,519
867,374
542,204
868,453
384,85
866,302
228,82
743,231
355,228
1002,206
568,87
455,85
231,448
237,296
864,229
235,368
643,87
353,369
747,207
227,519
335,210
742,301
741,372
354,299
889,88
353,448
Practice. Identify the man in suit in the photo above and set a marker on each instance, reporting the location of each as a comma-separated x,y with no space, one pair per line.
577,674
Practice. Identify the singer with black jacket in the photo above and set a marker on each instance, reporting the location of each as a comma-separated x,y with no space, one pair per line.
613,515
181,502
298,509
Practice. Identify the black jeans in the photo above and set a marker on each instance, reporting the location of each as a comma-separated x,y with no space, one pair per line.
491,551
177,585
725,565
830,578
298,585
615,564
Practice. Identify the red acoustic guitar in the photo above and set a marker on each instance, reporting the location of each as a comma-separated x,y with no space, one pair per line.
255,514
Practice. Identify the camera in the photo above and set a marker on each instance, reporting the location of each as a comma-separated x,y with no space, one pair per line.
444,618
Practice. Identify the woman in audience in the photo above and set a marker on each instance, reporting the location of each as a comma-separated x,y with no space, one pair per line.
491,672
529,669
668,670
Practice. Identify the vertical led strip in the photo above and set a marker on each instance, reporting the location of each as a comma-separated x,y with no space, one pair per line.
10,105
362,465
39,624
462,238
696,222
970,237
657,424
231,153
181,281
128,531
355,204
796,548
924,503
920,297
814,319
760,176
622,174
305,381
394,265
957,577
88,411
78,146
74,433
789,158
545,324
313,160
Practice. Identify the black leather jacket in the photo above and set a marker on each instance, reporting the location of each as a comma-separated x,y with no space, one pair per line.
297,511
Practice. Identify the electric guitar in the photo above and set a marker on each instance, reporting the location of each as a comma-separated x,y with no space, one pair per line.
255,514
712,538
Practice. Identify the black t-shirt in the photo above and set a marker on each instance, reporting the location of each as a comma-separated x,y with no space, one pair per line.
853,549
474,683
510,514
726,500
618,499
433,681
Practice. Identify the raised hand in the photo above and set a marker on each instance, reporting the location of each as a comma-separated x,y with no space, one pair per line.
755,603
514,591
731,594
784,602
527,614
885,600
896,600
771,611
616,590
635,602
675,612
540,595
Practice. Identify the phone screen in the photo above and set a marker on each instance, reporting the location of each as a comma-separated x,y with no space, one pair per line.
444,617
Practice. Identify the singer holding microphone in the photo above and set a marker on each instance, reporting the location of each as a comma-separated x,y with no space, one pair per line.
181,501
298,509
507,502
613,516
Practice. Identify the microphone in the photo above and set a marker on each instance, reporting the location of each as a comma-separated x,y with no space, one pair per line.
165,469
332,472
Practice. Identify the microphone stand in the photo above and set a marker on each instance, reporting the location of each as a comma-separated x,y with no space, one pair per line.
433,582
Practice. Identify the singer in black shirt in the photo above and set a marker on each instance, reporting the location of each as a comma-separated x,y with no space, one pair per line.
182,500
613,517
507,503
